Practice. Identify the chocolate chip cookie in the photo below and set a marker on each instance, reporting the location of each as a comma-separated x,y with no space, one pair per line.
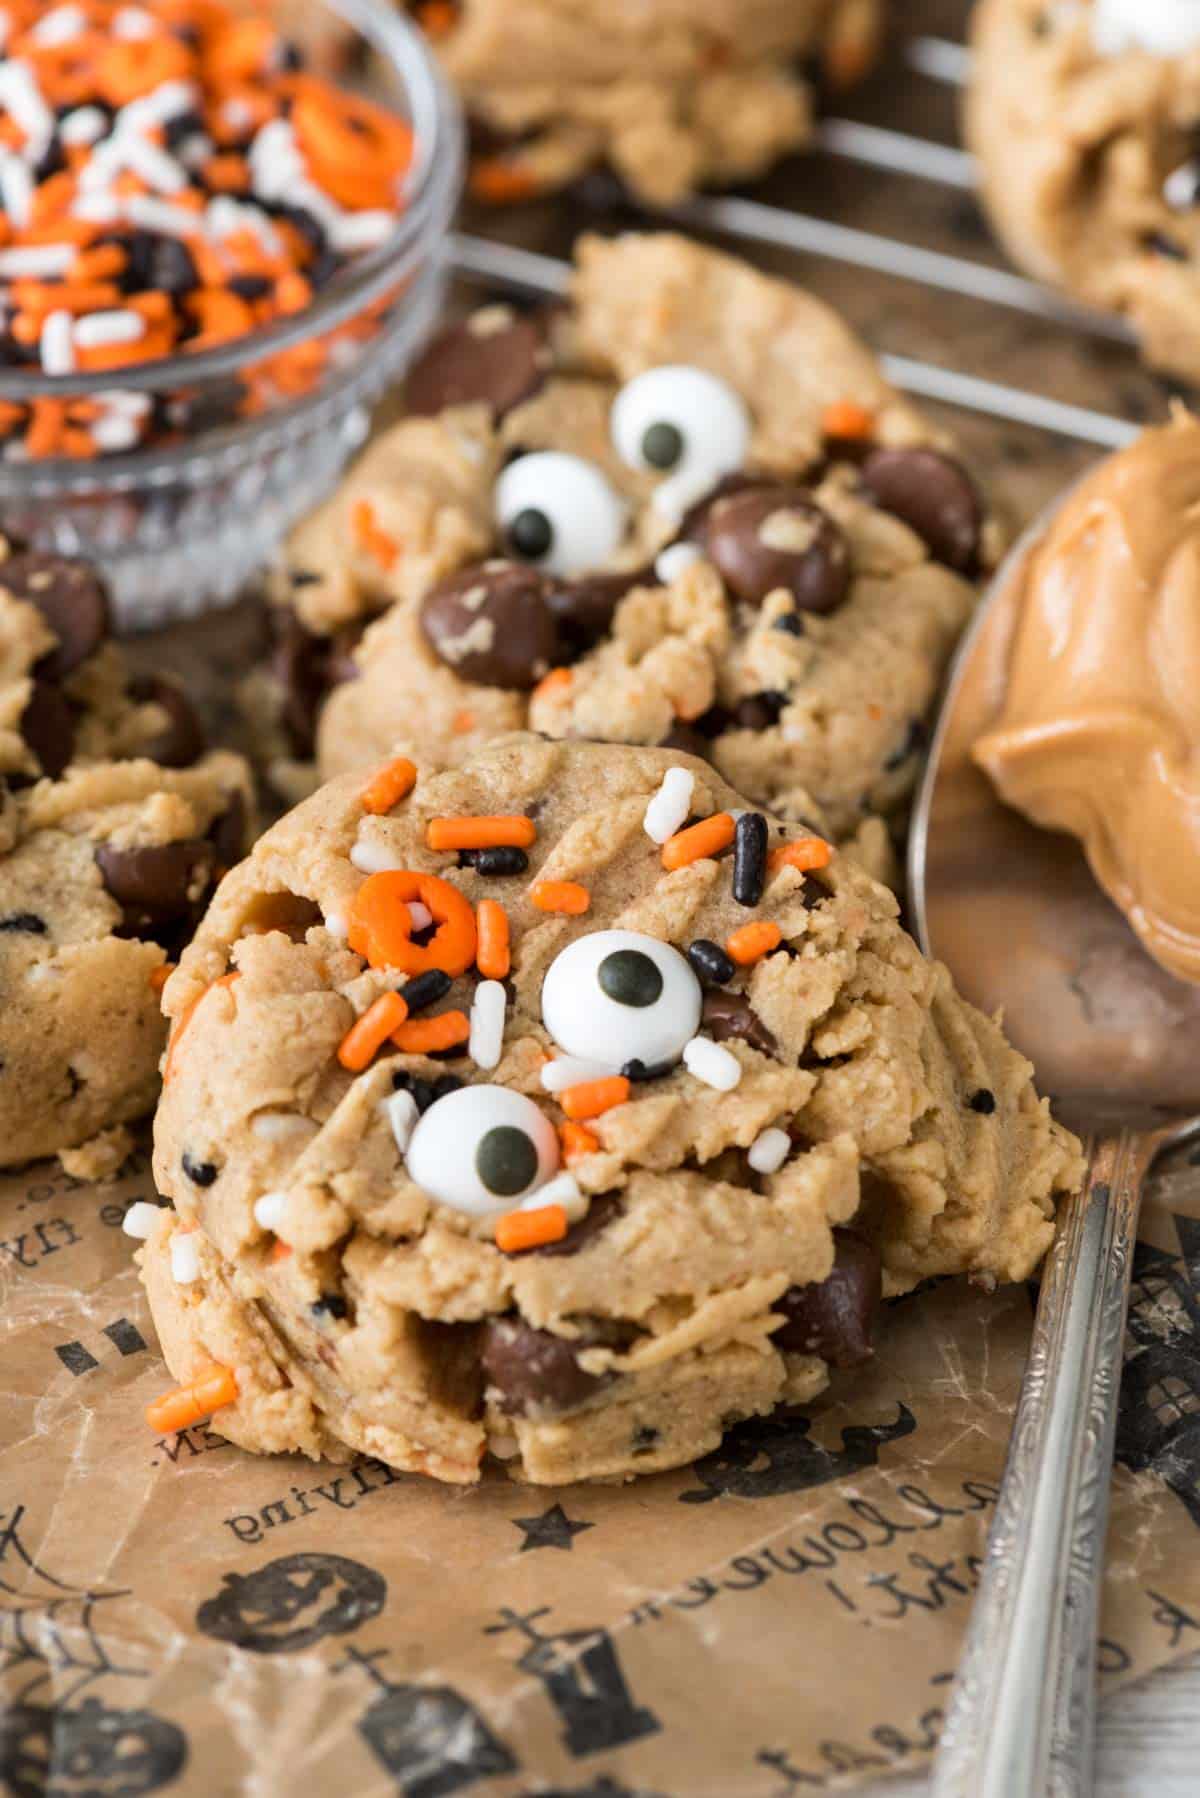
687,508
114,827
1083,118
563,1108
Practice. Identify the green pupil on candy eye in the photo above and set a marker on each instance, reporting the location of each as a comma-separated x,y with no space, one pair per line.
662,445
530,534
630,978
506,1160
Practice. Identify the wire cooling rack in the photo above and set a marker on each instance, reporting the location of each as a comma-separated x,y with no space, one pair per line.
751,222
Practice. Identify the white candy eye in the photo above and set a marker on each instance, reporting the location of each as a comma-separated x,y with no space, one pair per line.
1164,27
618,996
682,423
559,512
482,1149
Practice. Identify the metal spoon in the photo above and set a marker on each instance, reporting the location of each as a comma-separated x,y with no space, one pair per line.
1023,926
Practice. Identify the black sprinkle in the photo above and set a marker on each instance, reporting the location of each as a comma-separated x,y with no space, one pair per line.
421,1090
749,858
491,862
1161,245
330,1304
710,962
187,124
792,623
645,1437
26,922
426,989
446,1083
636,1070
200,1173
983,1101
250,287
304,577
914,740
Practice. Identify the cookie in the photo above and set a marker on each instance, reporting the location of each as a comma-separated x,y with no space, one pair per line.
561,1108
114,827
687,508
1083,122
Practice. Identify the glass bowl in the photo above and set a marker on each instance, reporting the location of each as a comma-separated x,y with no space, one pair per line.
179,528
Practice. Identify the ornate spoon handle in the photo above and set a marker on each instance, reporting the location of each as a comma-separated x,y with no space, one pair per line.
1022,1715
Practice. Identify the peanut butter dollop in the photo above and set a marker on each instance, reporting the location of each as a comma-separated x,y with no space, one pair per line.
1099,734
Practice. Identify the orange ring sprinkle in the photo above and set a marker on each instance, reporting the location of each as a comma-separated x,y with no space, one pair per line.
493,957
707,838
394,782
753,941
211,1390
592,1097
804,854
561,896
357,1048
426,1036
380,923
518,1230
493,832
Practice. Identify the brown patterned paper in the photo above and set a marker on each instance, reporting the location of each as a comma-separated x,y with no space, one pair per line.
784,1616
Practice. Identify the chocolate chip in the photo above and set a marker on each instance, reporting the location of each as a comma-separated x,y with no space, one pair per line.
836,1317
491,623
691,528
984,1102
760,711
470,363
71,598
645,1438
180,742
200,1173
534,1370
584,607
601,1211
765,538
306,667
48,727
24,923
157,883
710,962
934,496
726,1015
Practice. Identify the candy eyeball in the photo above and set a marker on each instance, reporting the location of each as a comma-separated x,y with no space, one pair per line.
559,513
1164,27
482,1149
618,996
684,424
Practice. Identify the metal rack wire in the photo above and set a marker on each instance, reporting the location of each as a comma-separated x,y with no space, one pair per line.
752,221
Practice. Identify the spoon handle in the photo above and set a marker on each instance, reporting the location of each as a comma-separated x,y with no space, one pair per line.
1022,1715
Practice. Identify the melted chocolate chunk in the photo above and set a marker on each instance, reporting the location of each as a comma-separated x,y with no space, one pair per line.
307,668
157,884
584,607
71,598
686,739
724,1015
934,496
760,711
534,1370
227,834
600,1213
48,727
835,1318
984,1102
180,742
505,606
764,538
498,366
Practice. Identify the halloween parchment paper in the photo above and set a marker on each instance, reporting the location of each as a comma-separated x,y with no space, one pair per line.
175,1616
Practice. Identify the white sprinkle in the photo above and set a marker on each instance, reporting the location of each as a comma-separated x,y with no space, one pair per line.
279,1126
156,168
140,1219
768,1152
56,344
237,115
128,404
402,1115
37,261
160,215
270,1211
223,216
86,125
97,208
164,102
60,26
569,1070
115,434
375,858
20,93
336,925
712,1064
185,1258
670,805
487,1024
562,1190
101,329
195,150
670,563
16,189
362,231
421,916
131,23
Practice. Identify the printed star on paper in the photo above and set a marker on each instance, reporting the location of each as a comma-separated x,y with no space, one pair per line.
553,1529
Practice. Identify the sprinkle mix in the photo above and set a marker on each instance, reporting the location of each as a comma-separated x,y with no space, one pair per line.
171,178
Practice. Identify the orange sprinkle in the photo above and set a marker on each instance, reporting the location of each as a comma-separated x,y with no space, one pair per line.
845,418
753,941
495,832
437,18
425,1036
380,923
358,1046
591,1097
280,1250
387,788
552,685
518,1230
803,854
372,537
493,957
160,976
227,174
708,837
185,1018
577,1140
213,1388
561,895
500,182
463,721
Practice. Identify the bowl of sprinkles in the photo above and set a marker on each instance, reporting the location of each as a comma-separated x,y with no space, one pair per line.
212,261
